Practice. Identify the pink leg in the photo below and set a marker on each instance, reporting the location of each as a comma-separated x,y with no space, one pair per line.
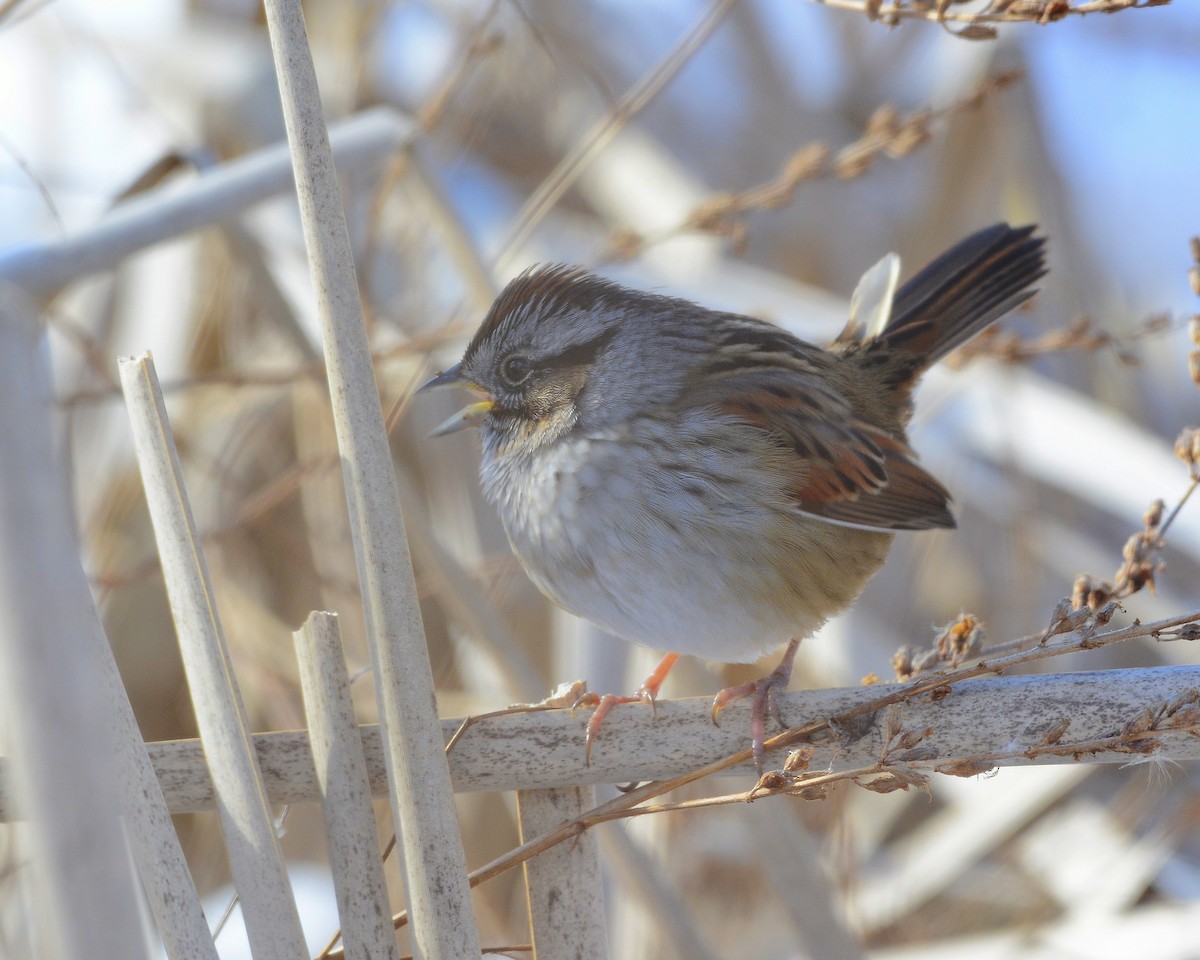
647,692
764,691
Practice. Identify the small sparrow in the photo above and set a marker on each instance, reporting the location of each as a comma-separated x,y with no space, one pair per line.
704,482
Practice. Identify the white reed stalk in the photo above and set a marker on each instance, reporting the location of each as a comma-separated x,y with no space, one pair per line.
793,864
665,911
341,769
566,899
255,860
56,716
465,603
221,194
422,799
544,749
163,870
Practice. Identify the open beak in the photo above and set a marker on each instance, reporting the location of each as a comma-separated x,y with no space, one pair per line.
447,378
469,415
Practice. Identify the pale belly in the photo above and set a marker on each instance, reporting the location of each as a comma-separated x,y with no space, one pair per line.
702,560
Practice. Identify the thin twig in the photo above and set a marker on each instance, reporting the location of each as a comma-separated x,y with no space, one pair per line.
1020,11
573,164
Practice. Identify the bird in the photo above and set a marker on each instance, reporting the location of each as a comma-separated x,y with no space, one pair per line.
704,482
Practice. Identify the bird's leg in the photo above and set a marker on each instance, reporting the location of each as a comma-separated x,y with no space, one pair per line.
765,692
647,693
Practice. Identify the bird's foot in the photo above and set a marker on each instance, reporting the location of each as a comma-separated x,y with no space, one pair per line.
765,692
646,693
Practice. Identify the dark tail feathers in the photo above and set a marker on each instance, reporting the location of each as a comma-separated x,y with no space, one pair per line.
962,292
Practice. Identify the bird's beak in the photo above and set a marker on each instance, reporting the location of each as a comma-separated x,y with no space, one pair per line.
469,415
447,378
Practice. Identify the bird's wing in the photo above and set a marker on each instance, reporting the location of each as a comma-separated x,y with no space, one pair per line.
842,469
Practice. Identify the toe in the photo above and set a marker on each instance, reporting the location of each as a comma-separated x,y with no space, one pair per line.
730,694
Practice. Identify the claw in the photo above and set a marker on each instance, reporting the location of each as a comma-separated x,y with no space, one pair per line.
766,701
602,704
728,695
646,693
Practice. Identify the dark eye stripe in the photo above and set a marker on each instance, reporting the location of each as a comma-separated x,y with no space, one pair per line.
582,354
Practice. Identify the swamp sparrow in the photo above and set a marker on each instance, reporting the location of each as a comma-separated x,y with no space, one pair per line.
705,482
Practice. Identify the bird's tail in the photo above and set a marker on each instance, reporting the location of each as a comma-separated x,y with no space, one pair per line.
961,293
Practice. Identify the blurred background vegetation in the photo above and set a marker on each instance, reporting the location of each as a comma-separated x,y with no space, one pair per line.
795,146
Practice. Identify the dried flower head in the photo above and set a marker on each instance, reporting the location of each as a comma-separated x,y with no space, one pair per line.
1187,448
960,639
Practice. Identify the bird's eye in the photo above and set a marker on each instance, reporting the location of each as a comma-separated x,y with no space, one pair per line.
515,370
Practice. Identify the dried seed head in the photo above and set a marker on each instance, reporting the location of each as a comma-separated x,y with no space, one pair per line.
1194,328
625,245
1067,621
926,660
1106,613
1081,591
960,639
1088,593
1100,596
1134,576
798,760
883,123
902,663
910,136
1194,277
1061,610
1187,448
966,768
1055,10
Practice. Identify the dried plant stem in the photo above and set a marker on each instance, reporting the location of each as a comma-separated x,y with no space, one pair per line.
1132,735
422,800
564,889
1187,495
517,749
222,194
568,170
55,717
272,923
645,879
887,134
1024,11
345,791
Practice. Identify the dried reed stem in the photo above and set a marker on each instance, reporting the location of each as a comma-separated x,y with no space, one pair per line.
345,791
422,800
222,194
255,860
566,902
544,749
56,717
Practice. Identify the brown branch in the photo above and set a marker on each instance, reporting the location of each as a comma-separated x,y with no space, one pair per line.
1080,336
978,23
887,134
